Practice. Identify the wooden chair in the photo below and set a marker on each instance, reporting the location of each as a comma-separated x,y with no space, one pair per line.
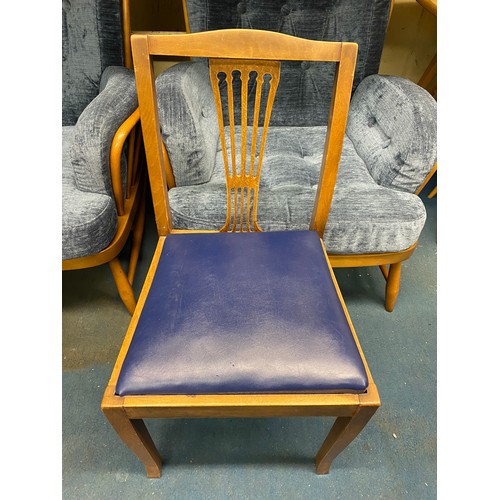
240,323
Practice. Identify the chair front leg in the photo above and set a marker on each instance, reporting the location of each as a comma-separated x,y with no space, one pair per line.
344,430
135,435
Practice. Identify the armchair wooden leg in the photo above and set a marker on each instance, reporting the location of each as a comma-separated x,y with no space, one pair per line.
135,435
392,286
344,430
137,235
123,285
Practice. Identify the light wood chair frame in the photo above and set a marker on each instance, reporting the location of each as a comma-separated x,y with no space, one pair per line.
130,205
127,413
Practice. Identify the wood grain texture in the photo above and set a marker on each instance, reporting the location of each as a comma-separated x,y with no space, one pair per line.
242,180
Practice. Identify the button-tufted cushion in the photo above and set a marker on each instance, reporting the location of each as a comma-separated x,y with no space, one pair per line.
242,313
364,217
91,40
303,97
392,124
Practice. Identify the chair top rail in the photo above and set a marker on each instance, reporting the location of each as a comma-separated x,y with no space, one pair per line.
242,44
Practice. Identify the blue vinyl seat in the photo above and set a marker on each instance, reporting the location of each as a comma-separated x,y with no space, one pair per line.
240,313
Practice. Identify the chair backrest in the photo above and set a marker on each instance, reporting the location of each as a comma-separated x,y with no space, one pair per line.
253,57
302,99
92,39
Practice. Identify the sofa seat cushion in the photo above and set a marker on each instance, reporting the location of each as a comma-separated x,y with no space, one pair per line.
242,313
364,217
89,220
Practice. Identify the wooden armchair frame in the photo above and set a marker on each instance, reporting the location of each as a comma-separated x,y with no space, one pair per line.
126,413
130,207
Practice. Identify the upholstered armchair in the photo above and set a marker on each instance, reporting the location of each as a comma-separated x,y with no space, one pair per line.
389,147
102,180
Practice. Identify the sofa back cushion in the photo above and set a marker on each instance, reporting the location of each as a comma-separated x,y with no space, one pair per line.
91,41
304,93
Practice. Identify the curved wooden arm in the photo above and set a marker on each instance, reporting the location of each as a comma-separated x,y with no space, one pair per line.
115,158
429,5
427,179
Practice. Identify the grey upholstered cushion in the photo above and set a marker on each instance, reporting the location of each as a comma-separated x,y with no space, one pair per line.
91,41
89,218
97,126
303,97
392,124
188,121
364,217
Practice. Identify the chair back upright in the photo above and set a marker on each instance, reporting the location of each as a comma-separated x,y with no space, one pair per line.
249,60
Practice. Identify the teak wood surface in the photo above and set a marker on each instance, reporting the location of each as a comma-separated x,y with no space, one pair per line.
126,413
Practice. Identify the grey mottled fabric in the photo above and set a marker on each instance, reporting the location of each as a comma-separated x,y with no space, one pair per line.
91,41
392,124
185,96
303,97
97,126
364,216
89,218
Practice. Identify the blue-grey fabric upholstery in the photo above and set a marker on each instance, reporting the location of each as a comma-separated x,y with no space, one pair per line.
367,216
392,124
364,217
389,146
304,93
186,95
89,218
91,41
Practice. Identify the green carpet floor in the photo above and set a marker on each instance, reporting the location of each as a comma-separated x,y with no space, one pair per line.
395,457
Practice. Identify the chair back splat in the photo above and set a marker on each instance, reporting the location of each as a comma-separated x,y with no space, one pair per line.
243,178
240,322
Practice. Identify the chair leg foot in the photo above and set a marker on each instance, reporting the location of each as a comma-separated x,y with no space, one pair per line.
123,285
344,430
392,286
135,435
